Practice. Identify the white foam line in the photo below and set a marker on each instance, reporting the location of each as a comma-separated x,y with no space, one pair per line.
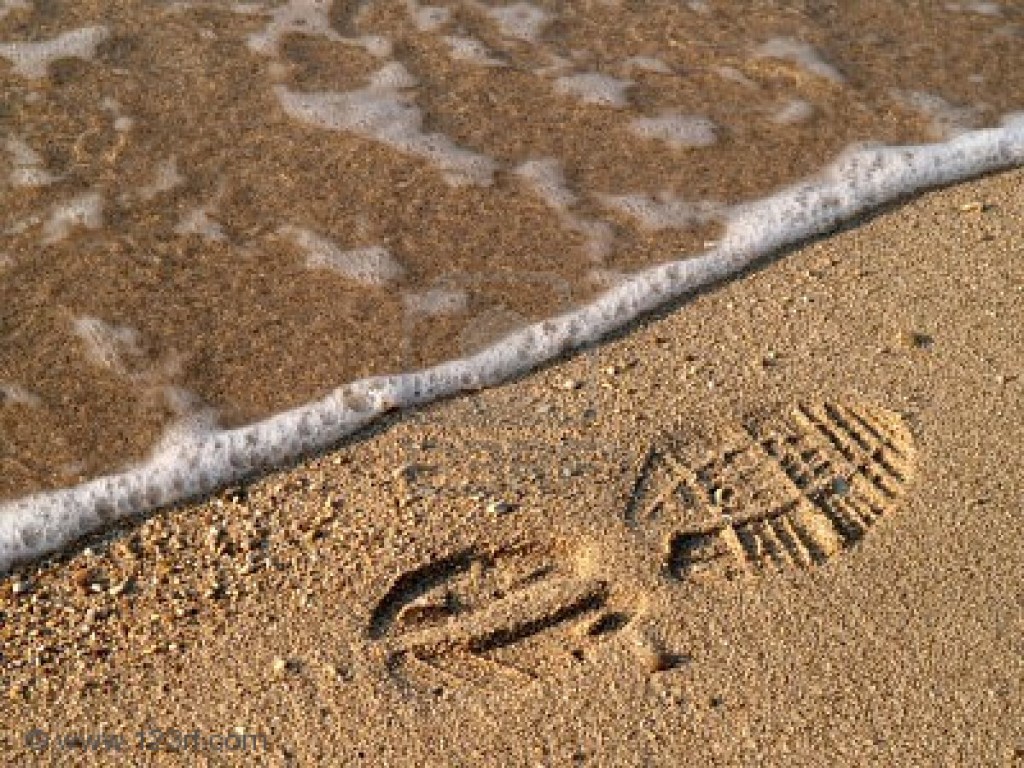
195,463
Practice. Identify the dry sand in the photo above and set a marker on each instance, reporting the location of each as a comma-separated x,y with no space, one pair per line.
519,578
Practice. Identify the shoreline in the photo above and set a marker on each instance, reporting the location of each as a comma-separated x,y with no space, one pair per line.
190,461
270,607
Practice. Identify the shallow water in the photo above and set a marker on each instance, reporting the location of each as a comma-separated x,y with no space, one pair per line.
231,209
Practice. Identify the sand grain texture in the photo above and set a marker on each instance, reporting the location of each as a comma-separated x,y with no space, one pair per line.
463,585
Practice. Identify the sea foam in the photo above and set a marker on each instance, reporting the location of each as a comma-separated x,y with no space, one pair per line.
384,112
86,211
193,461
32,60
678,131
595,88
27,170
370,266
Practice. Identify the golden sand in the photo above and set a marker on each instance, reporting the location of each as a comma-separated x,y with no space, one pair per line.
620,560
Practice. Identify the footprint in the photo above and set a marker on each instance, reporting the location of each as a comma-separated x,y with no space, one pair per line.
782,491
487,616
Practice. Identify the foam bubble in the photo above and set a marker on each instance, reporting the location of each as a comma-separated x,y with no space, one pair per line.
665,211
375,45
600,237
734,75
32,60
27,170
802,54
594,88
856,182
83,211
122,123
198,222
678,131
792,112
307,17
554,65
472,50
392,77
600,277
436,301
520,21
7,6
371,266
15,394
382,112
547,179
946,119
647,64
427,18
107,346
166,178
983,9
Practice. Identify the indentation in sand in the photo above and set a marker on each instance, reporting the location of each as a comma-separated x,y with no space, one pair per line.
785,490
490,616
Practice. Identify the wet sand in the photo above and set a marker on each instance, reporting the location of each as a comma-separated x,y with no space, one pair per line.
577,568
189,170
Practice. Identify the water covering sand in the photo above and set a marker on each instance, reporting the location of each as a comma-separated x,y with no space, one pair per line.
223,265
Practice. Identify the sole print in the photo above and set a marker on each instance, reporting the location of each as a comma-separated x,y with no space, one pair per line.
490,615
783,490
780,491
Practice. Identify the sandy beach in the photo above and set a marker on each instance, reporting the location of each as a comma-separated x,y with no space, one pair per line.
236,208
777,524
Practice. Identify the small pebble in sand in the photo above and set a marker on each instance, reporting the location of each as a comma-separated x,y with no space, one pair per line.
21,587
914,340
280,666
975,206
500,507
